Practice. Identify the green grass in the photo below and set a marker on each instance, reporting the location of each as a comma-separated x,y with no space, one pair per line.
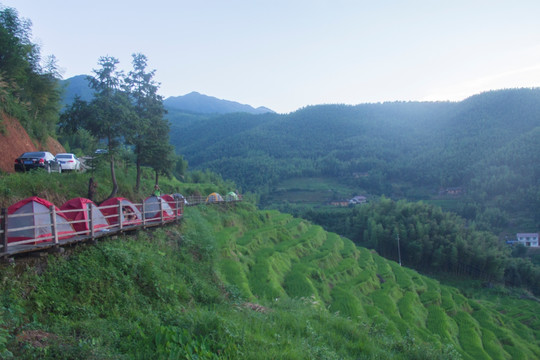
469,337
236,283
58,188
344,303
310,191
297,283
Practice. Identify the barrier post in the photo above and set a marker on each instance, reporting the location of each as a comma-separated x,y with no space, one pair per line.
176,208
4,236
143,213
120,215
182,203
54,228
161,209
91,221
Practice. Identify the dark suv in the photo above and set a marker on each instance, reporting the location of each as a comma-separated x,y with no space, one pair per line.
37,160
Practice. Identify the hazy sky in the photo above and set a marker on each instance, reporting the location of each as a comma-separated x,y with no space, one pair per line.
288,54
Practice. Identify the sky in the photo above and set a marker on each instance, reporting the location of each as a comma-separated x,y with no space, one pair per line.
288,54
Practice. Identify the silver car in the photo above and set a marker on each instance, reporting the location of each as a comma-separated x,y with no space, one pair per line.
69,161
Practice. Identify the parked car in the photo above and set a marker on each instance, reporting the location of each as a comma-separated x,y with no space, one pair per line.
101,151
37,160
69,161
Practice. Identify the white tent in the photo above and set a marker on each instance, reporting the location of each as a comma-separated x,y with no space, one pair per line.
152,208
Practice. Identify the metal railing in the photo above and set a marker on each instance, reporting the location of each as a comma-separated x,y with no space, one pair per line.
117,219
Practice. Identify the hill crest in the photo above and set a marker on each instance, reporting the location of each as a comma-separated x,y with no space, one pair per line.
193,102
199,103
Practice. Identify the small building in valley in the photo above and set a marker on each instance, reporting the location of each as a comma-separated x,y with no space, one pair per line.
358,200
527,239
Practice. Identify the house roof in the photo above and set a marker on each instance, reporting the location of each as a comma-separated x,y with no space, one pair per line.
526,234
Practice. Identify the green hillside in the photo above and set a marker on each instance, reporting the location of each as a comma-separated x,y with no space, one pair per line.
413,150
233,282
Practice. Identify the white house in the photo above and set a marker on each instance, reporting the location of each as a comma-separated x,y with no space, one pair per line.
528,239
358,200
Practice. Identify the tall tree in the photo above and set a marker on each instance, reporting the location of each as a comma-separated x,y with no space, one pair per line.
149,110
111,109
158,152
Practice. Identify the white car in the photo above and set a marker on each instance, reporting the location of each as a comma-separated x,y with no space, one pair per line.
69,161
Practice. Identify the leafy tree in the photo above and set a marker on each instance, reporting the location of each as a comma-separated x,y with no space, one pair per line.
73,128
149,131
181,167
19,55
111,111
29,91
76,116
158,152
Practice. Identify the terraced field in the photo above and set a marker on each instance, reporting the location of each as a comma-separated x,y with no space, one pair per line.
273,256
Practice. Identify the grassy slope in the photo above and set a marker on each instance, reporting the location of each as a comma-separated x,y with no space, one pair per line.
58,188
286,257
238,283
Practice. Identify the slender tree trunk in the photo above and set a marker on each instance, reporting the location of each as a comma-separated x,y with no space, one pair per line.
113,178
157,178
138,178
91,188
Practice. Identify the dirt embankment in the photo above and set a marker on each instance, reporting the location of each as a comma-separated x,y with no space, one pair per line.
15,140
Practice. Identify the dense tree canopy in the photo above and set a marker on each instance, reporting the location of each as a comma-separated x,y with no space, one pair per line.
484,145
29,89
150,130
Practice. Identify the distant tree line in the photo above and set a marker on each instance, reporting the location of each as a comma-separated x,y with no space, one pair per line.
429,239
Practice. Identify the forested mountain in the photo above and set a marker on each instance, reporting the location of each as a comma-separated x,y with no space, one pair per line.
487,144
204,104
76,86
193,102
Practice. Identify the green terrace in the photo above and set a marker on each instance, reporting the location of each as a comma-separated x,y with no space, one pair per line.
232,282
282,257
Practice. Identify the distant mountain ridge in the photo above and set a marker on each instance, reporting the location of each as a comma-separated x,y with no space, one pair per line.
76,86
193,102
203,104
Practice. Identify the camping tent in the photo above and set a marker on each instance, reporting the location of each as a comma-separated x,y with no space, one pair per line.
78,212
214,197
173,201
130,214
232,196
181,198
152,208
35,213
